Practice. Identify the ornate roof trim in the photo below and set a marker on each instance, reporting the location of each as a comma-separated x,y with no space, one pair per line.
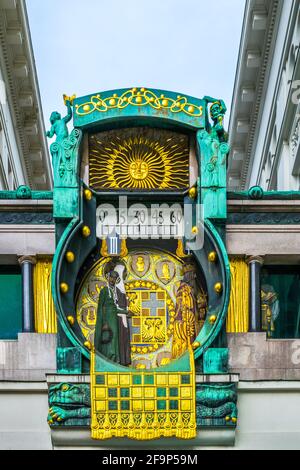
27,119
273,16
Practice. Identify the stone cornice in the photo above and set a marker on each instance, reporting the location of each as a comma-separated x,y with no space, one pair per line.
270,206
259,90
28,229
251,116
17,60
261,229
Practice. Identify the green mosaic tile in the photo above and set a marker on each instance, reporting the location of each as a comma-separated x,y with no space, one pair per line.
113,405
125,405
161,392
113,393
149,379
125,392
173,392
137,380
174,405
161,405
100,379
185,380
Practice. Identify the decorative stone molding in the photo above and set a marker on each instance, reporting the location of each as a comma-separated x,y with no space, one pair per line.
295,137
264,218
26,218
255,259
27,259
258,33
19,75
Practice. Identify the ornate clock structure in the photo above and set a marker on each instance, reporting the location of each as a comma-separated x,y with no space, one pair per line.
140,277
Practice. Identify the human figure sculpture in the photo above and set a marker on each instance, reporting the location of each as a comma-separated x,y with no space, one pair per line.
58,124
217,112
270,309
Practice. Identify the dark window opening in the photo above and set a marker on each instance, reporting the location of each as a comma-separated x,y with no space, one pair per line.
280,301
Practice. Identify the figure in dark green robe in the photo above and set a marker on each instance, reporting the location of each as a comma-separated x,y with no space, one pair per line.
107,323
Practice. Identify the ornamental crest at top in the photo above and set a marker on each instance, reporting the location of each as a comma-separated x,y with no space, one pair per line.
140,97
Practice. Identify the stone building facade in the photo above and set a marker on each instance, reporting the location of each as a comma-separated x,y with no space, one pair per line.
256,353
264,123
24,156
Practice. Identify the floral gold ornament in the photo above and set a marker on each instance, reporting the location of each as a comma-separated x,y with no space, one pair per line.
139,159
218,287
212,319
139,97
70,257
86,231
64,288
88,194
212,257
71,320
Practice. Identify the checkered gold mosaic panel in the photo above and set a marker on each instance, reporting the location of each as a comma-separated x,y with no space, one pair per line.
150,326
143,405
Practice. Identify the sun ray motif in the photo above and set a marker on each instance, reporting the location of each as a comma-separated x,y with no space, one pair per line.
139,159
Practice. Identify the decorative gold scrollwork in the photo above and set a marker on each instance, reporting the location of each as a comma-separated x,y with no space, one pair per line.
139,97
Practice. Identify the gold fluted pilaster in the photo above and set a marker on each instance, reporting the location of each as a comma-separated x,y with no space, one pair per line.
44,311
238,312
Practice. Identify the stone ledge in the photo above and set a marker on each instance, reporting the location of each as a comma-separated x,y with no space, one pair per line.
255,357
217,378
81,438
24,375
85,378
29,358
269,386
20,203
24,387
54,378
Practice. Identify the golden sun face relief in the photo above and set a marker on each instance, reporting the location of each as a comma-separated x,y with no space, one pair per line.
140,159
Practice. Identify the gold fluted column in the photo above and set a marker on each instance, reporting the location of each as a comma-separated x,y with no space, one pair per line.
238,312
44,311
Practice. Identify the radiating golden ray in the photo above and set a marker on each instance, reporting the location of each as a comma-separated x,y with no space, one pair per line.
139,159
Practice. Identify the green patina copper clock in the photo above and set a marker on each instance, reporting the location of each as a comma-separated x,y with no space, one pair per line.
140,275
